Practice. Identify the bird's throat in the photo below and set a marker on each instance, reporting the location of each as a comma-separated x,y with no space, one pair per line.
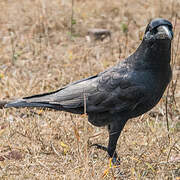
155,52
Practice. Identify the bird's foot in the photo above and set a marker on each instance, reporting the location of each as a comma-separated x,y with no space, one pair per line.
98,146
114,159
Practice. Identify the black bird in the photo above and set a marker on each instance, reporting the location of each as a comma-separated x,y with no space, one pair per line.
127,90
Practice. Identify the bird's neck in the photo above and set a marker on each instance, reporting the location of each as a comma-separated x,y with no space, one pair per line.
158,52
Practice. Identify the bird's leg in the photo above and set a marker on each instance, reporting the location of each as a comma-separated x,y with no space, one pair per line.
114,129
111,149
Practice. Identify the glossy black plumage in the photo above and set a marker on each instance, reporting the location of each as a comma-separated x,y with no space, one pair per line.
127,90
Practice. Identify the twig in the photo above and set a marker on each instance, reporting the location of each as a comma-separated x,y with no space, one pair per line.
53,148
177,48
173,88
171,150
13,47
119,49
166,106
84,103
72,15
75,130
42,164
174,54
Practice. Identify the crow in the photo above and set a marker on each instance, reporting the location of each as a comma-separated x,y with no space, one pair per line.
127,90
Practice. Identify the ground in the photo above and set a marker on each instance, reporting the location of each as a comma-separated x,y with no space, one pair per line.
43,46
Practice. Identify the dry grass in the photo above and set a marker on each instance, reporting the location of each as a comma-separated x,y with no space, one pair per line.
38,53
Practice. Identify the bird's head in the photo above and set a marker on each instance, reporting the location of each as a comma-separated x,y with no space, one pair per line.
156,44
159,29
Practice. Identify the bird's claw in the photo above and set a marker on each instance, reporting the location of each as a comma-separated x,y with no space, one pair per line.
98,146
115,160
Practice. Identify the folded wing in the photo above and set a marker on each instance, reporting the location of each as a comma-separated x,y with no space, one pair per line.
106,92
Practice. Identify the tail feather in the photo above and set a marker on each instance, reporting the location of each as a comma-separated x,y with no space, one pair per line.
20,103
39,100
69,98
2,104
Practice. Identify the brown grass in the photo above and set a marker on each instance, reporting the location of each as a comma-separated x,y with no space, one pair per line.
38,54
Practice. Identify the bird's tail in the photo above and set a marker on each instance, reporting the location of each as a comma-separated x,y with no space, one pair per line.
70,98
20,103
41,100
2,104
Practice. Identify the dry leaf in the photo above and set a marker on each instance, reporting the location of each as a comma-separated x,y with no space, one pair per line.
65,147
14,155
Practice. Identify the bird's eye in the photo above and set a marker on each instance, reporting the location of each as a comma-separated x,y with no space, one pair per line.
170,28
154,31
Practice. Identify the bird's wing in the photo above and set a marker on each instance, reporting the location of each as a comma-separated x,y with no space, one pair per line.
110,91
116,92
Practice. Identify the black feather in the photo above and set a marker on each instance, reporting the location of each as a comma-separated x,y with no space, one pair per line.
127,90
